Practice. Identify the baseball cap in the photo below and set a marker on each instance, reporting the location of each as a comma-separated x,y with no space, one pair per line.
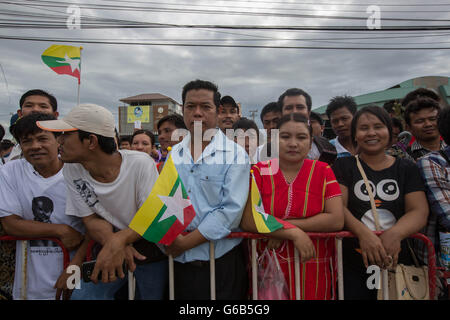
86,117
229,100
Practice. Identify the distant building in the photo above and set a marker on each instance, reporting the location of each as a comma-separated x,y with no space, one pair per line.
441,85
145,110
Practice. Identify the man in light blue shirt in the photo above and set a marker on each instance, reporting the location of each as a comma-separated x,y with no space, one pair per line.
215,172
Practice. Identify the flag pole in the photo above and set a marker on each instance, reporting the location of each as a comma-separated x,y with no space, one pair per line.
79,80
78,95
171,279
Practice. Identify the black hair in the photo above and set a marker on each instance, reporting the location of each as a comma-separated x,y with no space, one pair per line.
315,116
389,106
296,117
396,122
202,84
420,92
270,107
2,132
419,104
27,125
106,144
39,92
146,132
341,102
12,123
444,124
378,112
5,144
125,138
229,100
245,124
175,119
117,137
295,92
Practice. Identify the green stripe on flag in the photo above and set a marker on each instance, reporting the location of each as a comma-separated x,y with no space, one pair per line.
157,229
53,62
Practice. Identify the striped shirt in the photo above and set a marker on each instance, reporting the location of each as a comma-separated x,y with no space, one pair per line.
416,150
435,171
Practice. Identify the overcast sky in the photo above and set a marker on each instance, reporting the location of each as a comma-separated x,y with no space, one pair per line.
253,76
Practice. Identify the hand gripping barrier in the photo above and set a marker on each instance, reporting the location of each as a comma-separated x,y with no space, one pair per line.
338,236
131,278
66,256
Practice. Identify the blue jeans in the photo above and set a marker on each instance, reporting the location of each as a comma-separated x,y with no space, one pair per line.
151,284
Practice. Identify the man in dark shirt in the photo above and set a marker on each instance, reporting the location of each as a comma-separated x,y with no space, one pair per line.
421,120
296,100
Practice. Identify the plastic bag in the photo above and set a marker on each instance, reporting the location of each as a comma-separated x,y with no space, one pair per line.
271,282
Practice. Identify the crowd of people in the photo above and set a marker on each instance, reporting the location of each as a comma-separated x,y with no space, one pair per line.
77,180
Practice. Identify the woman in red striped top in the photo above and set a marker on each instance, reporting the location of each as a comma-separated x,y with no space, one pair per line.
306,194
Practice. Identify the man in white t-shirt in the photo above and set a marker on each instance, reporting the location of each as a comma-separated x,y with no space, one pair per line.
106,187
32,204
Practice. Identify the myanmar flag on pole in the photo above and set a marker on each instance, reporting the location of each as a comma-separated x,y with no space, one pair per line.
265,222
167,211
63,60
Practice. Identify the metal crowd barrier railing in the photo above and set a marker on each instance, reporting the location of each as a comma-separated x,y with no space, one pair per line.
24,255
339,236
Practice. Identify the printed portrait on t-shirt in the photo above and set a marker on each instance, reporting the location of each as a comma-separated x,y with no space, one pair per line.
384,193
86,192
42,208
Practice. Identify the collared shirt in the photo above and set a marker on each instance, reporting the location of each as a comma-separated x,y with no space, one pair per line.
217,184
341,151
416,150
314,152
435,171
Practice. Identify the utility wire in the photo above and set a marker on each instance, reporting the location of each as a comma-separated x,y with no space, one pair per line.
213,12
216,45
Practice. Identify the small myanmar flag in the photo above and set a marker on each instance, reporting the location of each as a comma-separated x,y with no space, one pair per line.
265,222
63,60
167,211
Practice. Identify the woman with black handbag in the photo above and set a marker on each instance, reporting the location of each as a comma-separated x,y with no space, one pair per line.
399,205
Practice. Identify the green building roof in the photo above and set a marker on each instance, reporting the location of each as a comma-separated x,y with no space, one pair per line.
439,84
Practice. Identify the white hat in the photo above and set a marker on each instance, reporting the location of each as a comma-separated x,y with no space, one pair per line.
86,117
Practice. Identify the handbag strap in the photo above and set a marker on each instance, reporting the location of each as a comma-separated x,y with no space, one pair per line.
413,255
369,191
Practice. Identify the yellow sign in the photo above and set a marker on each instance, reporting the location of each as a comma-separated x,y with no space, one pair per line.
138,113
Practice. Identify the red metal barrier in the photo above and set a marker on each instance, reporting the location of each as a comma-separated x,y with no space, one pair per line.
66,255
340,235
347,234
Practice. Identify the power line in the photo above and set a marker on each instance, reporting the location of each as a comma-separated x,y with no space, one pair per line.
269,39
218,45
342,4
271,8
213,12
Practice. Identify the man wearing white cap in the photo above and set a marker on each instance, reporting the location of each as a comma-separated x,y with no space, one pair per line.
106,187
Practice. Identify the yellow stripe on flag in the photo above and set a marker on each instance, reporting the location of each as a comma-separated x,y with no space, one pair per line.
256,199
153,205
60,51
